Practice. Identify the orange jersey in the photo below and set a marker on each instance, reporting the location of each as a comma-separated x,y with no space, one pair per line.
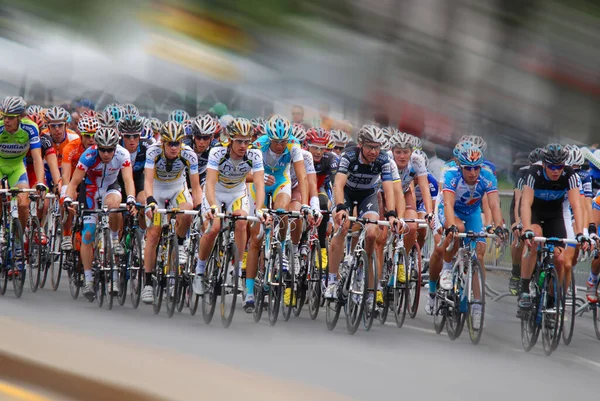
59,147
72,152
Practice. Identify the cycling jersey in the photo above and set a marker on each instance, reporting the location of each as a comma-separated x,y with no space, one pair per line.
14,148
232,173
549,195
202,163
309,167
278,164
59,147
99,174
325,170
468,197
72,152
586,183
414,168
171,171
596,201
361,176
138,157
518,185
433,190
47,149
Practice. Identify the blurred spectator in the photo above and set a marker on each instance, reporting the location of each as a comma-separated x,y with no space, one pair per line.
435,163
326,121
219,110
74,121
382,119
298,116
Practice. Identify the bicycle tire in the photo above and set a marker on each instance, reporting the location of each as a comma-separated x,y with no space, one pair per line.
357,295
172,277
109,270
229,272
333,308
193,299
414,280
34,254
369,312
53,227
289,282
56,268
276,285
530,330
551,335
439,314
211,284
74,275
400,305
596,319
259,294
135,264
387,291
99,285
301,283
18,258
158,279
477,271
314,281
570,306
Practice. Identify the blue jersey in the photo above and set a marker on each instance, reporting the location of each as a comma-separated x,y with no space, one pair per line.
433,188
468,197
278,164
586,183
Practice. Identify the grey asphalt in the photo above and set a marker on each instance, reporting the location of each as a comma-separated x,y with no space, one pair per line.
387,361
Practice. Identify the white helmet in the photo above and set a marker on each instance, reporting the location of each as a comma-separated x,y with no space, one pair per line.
106,137
422,154
371,133
479,142
339,136
401,140
575,156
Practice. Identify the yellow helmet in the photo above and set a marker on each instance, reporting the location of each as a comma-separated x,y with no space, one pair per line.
172,131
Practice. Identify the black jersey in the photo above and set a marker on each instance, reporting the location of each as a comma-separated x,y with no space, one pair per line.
549,195
363,176
325,169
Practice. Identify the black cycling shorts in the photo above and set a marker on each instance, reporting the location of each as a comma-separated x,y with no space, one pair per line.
553,225
366,201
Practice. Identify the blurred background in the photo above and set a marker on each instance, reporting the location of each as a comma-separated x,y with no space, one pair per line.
520,73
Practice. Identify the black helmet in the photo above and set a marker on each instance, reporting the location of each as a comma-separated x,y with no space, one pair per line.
130,124
555,153
535,155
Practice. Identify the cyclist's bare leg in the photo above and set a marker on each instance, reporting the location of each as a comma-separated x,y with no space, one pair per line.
184,221
23,202
528,263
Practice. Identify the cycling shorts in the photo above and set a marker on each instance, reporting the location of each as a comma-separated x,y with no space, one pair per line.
233,201
15,171
92,194
366,201
282,184
176,194
138,183
473,222
421,207
553,224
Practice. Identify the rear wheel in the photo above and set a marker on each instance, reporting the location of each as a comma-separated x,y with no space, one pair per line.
570,306
212,287
596,319
34,256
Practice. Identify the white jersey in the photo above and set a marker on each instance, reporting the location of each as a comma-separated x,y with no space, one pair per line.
414,168
100,174
309,166
232,173
171,171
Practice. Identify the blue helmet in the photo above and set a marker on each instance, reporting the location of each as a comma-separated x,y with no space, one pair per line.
178,116
278,128
461,145
470,155
116,111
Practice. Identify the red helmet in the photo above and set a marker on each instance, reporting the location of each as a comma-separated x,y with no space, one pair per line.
318,136
38,119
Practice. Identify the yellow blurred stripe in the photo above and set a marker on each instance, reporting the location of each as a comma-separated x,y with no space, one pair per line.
194,57
20,393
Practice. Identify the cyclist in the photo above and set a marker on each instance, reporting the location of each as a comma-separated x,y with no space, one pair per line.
130,109
362,171
156,126
18,134
167,162
204,129
339,139
258,124
178,116
99,165
71,154
592,281
433,190
226,173
56,118
545,188
280,150
48,155
460,211
130,129
115,111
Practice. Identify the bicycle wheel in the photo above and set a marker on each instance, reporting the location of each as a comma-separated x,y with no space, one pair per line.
413,283
550,313
192,299
357,295
475,284
400,292
275,283
289,283
569,308
439,313
56,268
369,309
172,277
314,281
229,290
596,319
109,270
34,256
74,274
158,282
334,306
3,266
301,283
259,293
135,264
212,286
98,273
18,258
387,290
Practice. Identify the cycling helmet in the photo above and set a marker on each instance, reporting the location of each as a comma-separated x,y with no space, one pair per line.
575,156
299,132
386,144
371,133
130,124
479,142
106,137
259,125
318,136
389,131
116,111
205,126
106,119
89,113
147,131
57,114
130,109
338,136
179,116
535,155
38,120
34,109
172,131
401,140
470,155
87,103
88,125
13,105
460,146
156,124
554,153
240,126
420,152
416,143
278,128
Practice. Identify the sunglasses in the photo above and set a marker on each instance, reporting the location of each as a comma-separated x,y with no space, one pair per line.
372,147
106,150
472,168
339,147
88,134
242,141
203,137
555,167
131,136
56,125
281,142
317,147
174,144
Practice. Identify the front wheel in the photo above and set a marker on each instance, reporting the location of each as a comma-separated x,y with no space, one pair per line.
570,306
34,256
172,277
18,258
413,283
476,301
275,283
551,312
56,262
289,283
229,289
357,293
400,291
212,287
371,304
135,264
